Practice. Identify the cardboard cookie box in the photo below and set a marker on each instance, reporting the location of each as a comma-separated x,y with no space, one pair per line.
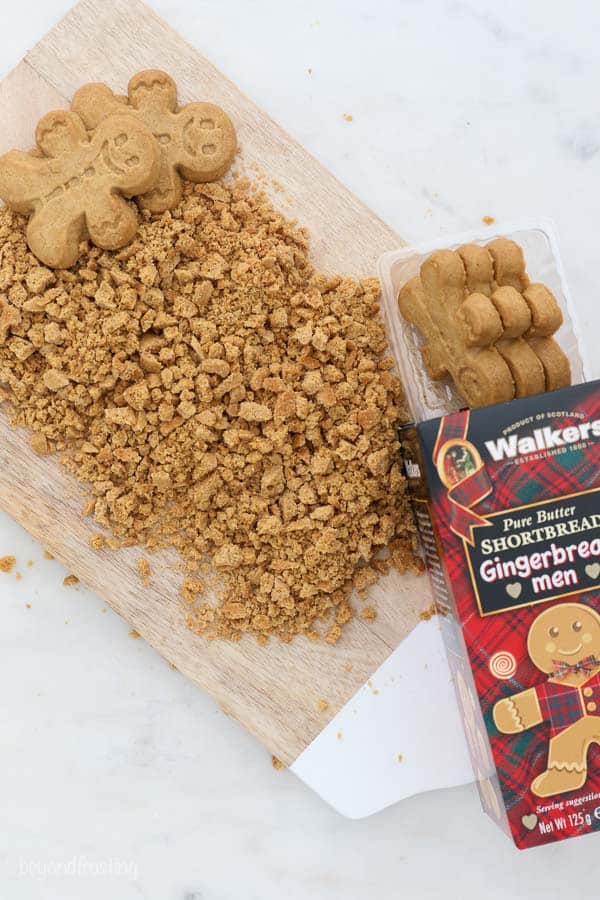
507,501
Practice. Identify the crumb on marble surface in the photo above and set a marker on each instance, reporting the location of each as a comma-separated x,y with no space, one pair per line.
7,563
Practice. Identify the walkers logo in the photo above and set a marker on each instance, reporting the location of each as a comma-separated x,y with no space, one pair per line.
541,439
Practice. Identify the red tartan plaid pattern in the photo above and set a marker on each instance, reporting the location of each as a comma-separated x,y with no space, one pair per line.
562,705
451,428
465,495
518,758
472,489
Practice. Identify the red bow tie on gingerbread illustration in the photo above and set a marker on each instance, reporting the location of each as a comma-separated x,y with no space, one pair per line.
585,666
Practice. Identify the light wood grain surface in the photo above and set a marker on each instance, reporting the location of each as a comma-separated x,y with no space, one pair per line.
273,690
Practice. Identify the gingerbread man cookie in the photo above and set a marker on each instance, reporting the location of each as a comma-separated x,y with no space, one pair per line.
197,141
74,185
563,642
485,325
537,362
460,327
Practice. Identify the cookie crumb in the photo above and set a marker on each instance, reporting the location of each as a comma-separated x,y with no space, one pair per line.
426,614
488,220
241,409
348,667
48,555
339,735
323,706
400,757
347,117
70,580
18,576
144,571
28,606
134,634
29,563
277,764
7,563
368,614
173,667
98,542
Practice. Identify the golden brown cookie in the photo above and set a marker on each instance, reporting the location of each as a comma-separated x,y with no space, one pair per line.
546,315
74,185
509,263
545,319
197,141
557,369
485,324
479,269
526,369
459,330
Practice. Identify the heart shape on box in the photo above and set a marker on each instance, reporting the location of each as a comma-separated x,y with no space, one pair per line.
514,589
593,570
530,821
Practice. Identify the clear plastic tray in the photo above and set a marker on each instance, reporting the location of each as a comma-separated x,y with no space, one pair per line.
429,399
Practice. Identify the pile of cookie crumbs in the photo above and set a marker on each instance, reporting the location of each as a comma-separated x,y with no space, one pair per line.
220,397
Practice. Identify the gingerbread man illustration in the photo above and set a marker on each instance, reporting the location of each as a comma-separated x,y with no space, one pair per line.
564,642
73,186
196,141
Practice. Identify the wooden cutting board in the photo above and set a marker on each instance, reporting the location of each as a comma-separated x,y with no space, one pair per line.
273,690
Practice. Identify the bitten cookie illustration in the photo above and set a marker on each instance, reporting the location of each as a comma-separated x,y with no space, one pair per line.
197,141
564,642
74,185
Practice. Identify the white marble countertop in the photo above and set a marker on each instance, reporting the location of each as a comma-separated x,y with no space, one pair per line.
461,108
